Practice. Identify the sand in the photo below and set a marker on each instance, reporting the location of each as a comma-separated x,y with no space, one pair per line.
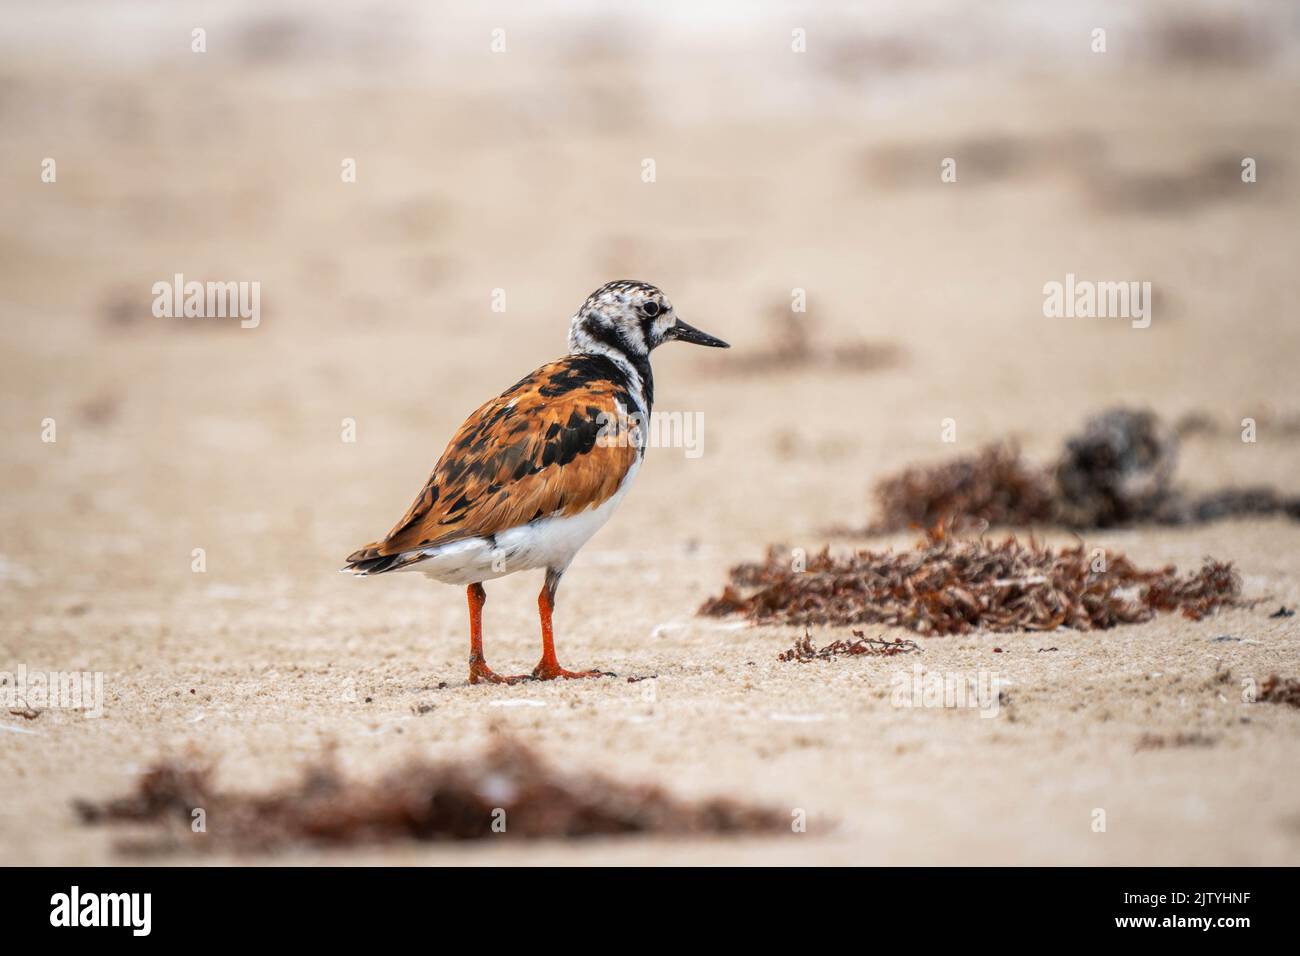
523,173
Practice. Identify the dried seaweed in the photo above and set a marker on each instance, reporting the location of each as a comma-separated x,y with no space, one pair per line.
1201,424
993,487
946,586
1149,741
509,793
804,651
1280,690
796,342
1117,471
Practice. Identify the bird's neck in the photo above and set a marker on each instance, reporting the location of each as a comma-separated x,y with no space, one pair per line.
633,364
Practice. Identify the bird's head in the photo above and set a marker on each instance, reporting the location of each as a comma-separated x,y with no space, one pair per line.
632,318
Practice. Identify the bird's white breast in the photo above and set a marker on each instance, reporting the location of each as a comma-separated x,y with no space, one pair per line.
545,543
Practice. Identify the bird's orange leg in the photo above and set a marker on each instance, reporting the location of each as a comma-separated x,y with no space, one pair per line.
549,668
478,669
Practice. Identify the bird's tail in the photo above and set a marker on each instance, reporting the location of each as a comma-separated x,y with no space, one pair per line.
369,560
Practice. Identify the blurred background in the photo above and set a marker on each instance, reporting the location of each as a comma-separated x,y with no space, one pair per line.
521,170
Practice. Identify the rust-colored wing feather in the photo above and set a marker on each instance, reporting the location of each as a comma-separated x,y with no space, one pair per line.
549,445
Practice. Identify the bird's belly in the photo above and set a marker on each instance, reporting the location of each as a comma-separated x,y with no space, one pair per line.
545,543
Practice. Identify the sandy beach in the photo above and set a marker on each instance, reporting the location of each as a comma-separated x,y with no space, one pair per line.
523,172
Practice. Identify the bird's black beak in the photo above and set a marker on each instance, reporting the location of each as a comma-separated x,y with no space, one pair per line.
682,332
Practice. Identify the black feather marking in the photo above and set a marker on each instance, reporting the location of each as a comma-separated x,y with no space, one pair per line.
614,339
376,565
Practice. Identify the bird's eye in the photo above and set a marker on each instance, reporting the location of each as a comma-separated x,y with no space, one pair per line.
651,309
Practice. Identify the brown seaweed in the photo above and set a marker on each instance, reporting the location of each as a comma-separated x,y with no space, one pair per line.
508,793
949,586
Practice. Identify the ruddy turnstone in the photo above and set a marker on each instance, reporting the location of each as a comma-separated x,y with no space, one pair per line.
537,470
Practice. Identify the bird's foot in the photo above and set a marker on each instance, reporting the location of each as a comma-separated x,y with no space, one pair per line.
550,671
480,673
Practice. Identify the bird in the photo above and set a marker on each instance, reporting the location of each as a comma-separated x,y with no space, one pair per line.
532,474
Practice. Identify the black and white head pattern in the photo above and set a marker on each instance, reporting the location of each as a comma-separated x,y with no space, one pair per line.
625,321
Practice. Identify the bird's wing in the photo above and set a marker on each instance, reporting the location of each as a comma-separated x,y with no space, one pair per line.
555,443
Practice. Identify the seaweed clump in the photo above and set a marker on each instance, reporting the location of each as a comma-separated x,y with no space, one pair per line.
804,650
1280,690
993,487
1117,471
948,586
509,793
